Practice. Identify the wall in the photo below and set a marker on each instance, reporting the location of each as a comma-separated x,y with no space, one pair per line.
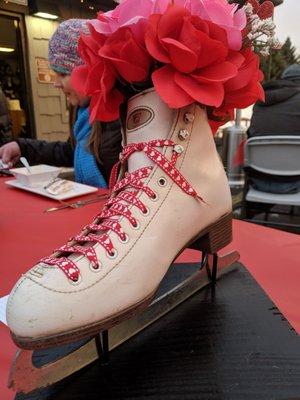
50,109
49,104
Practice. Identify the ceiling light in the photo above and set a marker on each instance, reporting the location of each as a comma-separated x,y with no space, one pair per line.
45,15
44,9
7,49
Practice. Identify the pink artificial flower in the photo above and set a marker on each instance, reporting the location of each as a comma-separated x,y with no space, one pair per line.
130,13
135,13
225,16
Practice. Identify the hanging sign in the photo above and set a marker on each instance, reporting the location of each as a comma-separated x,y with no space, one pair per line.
44,72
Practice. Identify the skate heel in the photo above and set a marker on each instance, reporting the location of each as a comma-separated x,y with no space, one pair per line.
215,236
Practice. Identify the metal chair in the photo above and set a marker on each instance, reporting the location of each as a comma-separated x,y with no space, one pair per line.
277,159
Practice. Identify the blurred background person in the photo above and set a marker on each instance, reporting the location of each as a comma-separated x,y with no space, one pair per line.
5,122
278,115
91,149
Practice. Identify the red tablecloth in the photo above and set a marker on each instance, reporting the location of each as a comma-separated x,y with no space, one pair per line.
27,234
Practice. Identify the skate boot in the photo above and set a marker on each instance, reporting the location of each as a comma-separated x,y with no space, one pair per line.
174,192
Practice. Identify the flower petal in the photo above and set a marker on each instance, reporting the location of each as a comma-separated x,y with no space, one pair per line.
217,73
131,73
168,90
105,111
210,94
130,60
212,51
79,78
234,38
182,58
236,58
151,40
246,73
132,9
171,22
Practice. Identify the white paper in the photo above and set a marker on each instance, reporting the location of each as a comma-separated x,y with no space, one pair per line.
3,165
3,302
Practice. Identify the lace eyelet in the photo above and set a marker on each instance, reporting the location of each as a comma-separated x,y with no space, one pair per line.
183,134
136,226
126,240
95,268
75,282
154,197
178,149
188,117
145,212
162,182
112,255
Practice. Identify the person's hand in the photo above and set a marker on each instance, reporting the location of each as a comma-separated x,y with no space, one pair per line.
10,153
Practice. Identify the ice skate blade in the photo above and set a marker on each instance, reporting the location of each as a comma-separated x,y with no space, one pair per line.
23,367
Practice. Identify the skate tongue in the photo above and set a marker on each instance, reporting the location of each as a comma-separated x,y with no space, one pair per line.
148,118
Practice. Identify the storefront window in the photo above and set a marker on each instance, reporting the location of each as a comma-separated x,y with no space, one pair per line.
12,75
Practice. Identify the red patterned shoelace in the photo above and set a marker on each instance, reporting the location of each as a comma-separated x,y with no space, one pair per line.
98,231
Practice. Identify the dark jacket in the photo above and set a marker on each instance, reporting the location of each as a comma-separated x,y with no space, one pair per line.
61,154
280,113
5,122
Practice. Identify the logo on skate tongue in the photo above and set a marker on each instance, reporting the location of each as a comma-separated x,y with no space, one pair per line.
139,117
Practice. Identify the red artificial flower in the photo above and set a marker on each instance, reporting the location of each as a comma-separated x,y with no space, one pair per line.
107,59
195,52
242,90
96,79
217,118
128,57
245,88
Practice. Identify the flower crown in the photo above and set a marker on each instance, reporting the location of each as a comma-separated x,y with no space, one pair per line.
189,50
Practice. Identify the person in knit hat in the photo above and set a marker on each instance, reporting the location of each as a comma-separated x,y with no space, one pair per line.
92,150
63,55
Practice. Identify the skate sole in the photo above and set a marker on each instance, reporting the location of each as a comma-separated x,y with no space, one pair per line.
27,343
211,239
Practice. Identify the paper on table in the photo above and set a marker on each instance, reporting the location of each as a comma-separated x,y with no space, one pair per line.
3,165
3,302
